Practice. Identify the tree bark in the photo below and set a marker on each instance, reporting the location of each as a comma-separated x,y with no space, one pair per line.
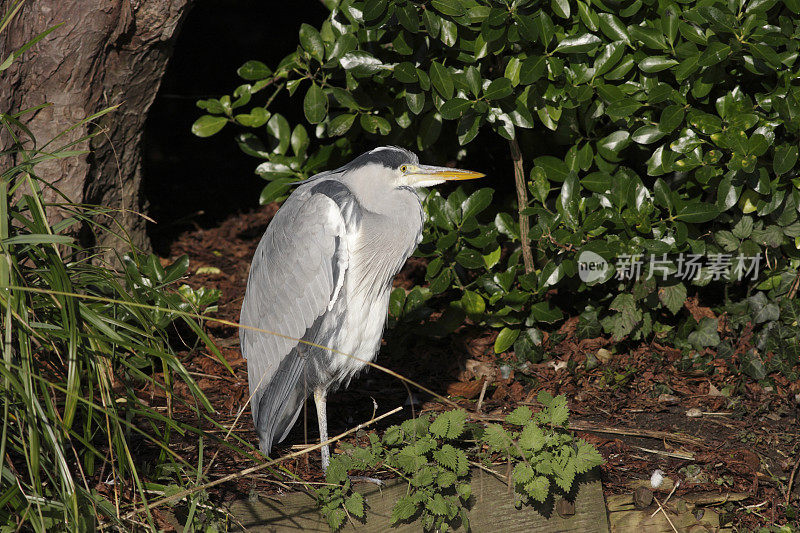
108,52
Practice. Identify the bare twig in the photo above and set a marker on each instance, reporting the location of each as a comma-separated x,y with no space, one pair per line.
247,471
661,508
685,456
675,486
791,481
522,201
653,434
480,398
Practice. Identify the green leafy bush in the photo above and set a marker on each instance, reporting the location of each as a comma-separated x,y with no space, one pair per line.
430,455
633,128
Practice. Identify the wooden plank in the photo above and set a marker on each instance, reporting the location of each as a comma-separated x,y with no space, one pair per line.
492,510
623,517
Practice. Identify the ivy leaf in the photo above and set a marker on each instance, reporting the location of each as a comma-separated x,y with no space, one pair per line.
627,317
673,297
753,365
705,334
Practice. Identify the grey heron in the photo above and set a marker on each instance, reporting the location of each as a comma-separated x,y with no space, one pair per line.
322,273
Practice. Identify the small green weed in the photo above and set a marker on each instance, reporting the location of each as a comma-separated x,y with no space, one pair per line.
433,457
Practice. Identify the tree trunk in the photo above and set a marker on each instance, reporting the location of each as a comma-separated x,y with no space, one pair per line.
108,52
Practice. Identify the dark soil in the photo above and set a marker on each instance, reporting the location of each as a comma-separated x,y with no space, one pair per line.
745,442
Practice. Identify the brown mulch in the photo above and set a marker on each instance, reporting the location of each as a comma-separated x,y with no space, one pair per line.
746,438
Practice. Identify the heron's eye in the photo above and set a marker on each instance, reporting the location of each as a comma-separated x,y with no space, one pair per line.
403,168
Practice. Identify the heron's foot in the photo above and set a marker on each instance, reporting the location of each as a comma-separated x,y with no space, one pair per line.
366,479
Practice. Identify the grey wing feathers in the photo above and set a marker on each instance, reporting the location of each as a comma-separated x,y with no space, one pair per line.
295,275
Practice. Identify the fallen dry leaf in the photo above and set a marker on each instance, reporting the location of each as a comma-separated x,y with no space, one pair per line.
466,389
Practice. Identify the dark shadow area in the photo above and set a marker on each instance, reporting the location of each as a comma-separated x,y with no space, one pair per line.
191,182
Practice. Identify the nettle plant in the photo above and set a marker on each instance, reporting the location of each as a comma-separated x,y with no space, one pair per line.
633,127
431,456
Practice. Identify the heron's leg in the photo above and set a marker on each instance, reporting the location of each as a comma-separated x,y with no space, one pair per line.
322,418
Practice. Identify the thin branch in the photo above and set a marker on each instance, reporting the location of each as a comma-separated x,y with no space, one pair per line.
247,471
653,434
791,481
522,201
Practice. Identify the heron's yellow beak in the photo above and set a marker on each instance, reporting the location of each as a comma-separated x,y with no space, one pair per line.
426,175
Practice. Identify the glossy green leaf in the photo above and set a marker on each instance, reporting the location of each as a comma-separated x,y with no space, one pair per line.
274,190
453,109
208,125
315,104
578,44
405,72
254,70
654,64
361,63
560,8
532,69
497,89
505,339
441,79
375,124
785,158
311,41
647,135
613,28
671,118
340,124
476,203
698,212
452,8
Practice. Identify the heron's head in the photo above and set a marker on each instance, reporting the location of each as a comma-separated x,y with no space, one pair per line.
401,168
